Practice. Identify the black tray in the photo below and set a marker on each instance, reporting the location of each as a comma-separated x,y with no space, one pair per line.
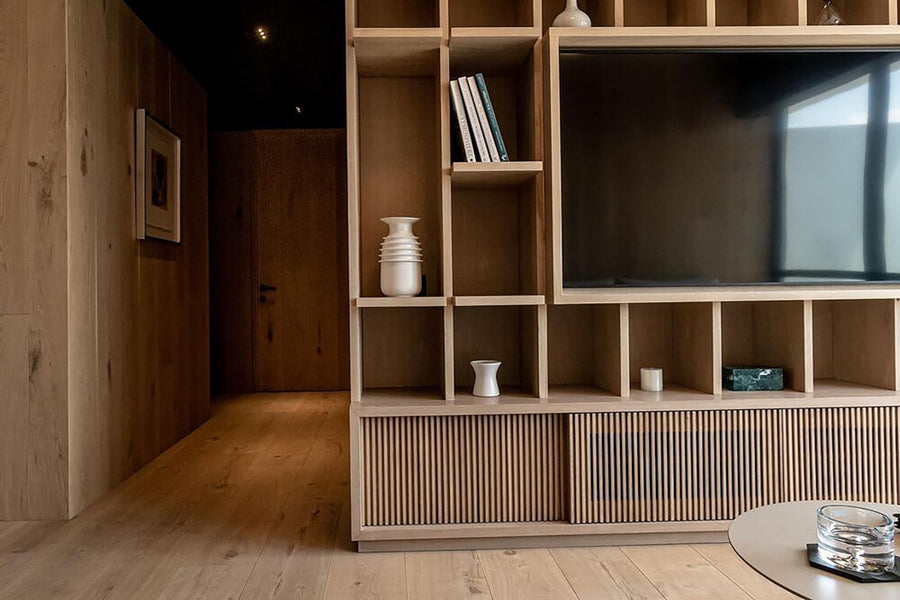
812,554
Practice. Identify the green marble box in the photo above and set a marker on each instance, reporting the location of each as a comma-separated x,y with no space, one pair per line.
752,379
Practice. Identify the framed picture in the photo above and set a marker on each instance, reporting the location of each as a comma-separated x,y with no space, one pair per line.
157,180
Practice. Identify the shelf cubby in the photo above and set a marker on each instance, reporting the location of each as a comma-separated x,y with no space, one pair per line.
402,351
505,333
585,349
495,241
399,169
398,13
511,85
757,12
495,13
397,52
767,334
601,12
663,13
856,12
855,341
679,338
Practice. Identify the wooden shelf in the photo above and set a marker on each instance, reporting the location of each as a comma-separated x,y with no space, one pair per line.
535,300
587,399
397,51
725,37
509,396
417,302
397,397
491,49
465,175
724,294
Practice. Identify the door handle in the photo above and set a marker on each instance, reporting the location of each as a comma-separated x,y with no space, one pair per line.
263,288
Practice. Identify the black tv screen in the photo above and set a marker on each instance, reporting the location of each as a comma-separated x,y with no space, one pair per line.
730,167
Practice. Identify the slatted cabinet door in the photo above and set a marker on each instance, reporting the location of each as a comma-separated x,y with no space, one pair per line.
715,465
462,469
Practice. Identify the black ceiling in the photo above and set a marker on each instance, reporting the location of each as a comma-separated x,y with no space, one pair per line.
255,84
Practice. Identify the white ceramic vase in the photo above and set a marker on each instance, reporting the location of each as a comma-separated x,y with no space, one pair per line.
486,385
401,259
572,16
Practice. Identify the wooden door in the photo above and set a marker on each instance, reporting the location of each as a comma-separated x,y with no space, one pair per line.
301,261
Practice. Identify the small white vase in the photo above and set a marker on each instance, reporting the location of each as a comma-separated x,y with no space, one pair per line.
572,16
486,385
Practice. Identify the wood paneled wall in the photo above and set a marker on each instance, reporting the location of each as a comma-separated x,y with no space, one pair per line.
34,449
103,340
138,329
278,208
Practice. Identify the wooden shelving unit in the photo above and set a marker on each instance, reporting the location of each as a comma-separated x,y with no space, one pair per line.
571,358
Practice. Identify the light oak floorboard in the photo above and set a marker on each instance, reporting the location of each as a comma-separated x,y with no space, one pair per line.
600,573
679,572
445,575
255,504
723,557
513,574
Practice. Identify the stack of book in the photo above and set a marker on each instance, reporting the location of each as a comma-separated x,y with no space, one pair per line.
479,131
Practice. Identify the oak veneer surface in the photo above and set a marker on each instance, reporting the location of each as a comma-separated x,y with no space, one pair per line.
255,504
33,234
138,315
109,336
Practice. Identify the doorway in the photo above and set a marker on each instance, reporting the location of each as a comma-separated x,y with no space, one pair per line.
278,261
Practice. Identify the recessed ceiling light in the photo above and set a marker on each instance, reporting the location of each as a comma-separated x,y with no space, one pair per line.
298,109
262,33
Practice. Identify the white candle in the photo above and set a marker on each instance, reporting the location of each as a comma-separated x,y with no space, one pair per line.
651,379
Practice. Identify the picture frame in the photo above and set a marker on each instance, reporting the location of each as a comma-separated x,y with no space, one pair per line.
157,180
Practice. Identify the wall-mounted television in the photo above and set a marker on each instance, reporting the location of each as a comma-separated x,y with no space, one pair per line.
730,167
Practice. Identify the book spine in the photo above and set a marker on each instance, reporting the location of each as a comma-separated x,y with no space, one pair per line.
482,118
473,120
491,116
465,138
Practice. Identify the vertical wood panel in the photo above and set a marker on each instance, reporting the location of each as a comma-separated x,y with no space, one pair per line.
138,311
493,473
14,141
48,447
231,212
13,417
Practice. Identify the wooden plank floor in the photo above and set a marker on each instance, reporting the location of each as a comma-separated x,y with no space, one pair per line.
254,504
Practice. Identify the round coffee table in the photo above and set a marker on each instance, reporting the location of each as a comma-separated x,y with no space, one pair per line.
772,539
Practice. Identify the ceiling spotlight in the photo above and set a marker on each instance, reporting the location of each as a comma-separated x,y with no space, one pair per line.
298,109
262,33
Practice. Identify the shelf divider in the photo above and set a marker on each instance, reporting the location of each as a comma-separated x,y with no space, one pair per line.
397,51
416,302
466,175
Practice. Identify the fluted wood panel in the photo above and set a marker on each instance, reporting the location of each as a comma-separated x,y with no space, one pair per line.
469,469
714,465
845,453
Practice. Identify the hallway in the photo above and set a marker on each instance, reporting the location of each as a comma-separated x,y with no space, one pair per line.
254,504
